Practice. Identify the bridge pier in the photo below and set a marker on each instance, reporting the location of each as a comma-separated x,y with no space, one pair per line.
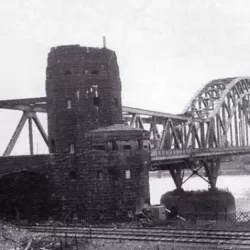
212,168
177,176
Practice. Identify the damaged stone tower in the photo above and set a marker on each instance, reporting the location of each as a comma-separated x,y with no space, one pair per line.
99,167
83,93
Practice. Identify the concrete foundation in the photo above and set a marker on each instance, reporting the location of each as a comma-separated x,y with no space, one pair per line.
201,205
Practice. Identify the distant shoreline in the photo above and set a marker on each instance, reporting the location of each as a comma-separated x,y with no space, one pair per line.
160,174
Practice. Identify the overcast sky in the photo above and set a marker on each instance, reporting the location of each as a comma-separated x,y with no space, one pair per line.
167,50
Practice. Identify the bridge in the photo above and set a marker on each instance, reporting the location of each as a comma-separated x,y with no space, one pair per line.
214,125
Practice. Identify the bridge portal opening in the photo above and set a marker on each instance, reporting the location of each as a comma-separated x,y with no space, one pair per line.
24,196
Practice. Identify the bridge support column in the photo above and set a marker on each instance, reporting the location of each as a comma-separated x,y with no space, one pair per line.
177,175
212,169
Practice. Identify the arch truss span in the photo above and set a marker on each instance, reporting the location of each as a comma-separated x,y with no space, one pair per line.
218,127
223,110
217,122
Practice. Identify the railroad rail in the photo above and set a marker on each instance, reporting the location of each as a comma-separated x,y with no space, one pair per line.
182,236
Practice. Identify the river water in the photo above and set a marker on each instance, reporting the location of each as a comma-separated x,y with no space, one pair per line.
238,185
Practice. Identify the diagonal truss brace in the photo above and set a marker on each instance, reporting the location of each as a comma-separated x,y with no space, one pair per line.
27,115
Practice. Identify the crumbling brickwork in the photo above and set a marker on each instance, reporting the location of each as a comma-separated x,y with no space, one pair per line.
83,93
110,182
99,170
119,164
33,163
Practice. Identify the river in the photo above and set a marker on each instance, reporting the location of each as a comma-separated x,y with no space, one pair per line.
238,185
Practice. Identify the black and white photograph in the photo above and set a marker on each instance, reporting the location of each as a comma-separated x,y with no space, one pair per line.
124,125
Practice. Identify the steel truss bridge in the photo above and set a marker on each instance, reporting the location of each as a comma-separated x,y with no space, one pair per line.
215,124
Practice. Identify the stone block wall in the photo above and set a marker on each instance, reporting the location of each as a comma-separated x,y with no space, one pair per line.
83,93
32,163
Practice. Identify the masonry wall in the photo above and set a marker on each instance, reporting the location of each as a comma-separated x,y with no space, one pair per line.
33,163
83,93
96,188
119,164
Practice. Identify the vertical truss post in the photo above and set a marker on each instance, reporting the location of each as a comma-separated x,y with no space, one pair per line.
193,134
165,136
230,127
218,128
224,122
155,132
241,140
236,128
31,136
202,131
246,119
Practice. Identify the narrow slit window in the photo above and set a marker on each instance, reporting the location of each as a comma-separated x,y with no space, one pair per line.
95,72
100,175
114,145
127,147
67,72
128,174
69,104
73,174
114,174
71,149
115,100
78,94
96,101
53,146
99,147
140,144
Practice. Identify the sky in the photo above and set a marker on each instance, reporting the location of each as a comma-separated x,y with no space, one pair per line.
167,49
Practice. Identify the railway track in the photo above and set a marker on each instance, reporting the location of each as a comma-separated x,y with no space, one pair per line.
208,237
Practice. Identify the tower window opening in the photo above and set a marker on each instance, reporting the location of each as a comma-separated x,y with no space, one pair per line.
69,104
100,175
114,145
73,174
78,94
115,100
52,146
128,174
99,147
146,145
96,101
71,149
114,174
95,72
127,147
140,144
67,72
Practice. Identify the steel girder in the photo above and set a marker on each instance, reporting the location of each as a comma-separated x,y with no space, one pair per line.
27,116
215,124
224,107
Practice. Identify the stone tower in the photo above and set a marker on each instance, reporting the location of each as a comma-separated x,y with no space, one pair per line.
99,167
83,93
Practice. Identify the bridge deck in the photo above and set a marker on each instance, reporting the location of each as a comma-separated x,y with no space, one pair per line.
163,157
